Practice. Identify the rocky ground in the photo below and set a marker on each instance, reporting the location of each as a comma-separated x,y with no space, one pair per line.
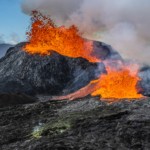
84,124
38,123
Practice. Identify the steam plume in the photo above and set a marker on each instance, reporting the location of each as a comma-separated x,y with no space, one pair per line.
14,38
122,23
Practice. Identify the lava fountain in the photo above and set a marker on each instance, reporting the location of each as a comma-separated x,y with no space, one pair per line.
45,37
117,84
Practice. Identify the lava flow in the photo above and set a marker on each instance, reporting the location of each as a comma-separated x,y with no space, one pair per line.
44,37
117,84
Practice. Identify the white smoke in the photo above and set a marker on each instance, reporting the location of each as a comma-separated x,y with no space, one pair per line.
124,24
14,38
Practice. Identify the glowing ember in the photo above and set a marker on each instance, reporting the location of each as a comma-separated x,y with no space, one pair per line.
45,37
117,84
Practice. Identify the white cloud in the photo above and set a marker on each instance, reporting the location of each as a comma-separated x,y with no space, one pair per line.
2,39
14,38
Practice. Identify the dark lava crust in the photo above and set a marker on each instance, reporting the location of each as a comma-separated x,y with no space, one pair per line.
84,124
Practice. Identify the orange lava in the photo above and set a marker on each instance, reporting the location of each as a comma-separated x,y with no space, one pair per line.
44,37
117,84
111,87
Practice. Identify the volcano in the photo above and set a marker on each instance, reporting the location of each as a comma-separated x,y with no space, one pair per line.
45,37
39,78
57,60
55,74
86,123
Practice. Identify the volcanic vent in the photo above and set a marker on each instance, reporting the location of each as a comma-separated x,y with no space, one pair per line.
45,37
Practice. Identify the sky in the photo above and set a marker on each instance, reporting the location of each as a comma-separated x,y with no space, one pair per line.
13,23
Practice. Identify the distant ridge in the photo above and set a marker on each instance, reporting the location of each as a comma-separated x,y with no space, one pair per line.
3,48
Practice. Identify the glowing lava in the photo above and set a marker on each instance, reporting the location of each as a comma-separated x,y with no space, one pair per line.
44,37
117,84
113,86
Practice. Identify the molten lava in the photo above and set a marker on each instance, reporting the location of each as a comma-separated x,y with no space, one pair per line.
44,37
113,86
117,84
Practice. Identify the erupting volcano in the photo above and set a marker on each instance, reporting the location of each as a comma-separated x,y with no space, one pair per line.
81,78
45,37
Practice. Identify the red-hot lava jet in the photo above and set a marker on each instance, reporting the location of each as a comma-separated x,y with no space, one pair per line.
45,37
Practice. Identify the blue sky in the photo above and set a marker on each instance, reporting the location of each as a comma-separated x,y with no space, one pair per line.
13,23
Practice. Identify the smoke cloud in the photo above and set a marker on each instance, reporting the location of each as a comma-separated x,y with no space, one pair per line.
14,38
124,24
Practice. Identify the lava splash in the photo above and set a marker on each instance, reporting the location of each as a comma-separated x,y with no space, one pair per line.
117,84
45,37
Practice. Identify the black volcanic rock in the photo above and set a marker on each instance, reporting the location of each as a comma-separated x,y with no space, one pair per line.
35,74
15,99
84,124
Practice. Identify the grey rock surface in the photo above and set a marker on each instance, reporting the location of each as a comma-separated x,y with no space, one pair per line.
84,124
15,99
